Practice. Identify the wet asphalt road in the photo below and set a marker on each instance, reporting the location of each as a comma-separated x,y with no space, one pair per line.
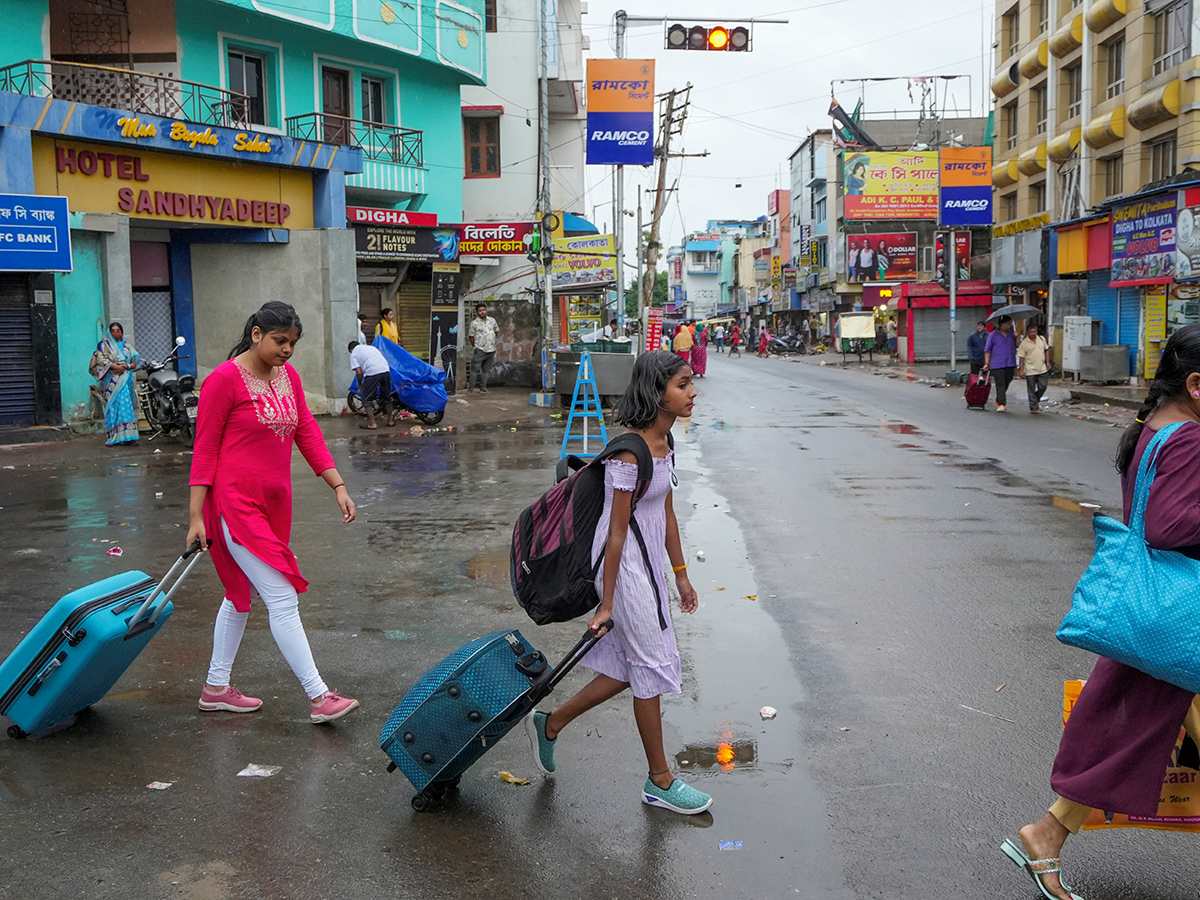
877,559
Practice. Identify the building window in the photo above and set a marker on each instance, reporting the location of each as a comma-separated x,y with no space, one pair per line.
819,211
822,253
1037,194
1162,158
481,138
489,15
1011,31
1172,30
1010,206
1113,168
1039,109
246,77
1074,90
1009,116
372,101
1041,15
1114,67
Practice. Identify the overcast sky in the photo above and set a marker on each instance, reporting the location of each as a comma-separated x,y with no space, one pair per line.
751,110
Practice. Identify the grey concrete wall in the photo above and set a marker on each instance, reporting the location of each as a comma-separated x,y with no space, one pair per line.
314,272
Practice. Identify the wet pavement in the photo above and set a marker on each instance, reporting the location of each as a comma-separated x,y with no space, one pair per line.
877,561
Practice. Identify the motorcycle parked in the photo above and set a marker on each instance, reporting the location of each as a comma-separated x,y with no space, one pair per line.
168,399
787,345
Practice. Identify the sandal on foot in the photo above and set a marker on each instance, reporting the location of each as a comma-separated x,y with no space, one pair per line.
1036,868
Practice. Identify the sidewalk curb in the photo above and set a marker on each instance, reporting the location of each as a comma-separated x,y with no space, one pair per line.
1087,396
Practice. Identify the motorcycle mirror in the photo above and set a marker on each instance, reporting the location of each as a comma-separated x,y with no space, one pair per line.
180,341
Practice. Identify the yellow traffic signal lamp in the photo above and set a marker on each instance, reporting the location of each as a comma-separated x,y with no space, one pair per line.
708,37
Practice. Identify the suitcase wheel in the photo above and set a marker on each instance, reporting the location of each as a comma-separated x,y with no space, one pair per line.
420,802
16,732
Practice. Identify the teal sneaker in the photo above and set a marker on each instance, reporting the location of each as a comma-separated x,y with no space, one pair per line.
681,798
542,746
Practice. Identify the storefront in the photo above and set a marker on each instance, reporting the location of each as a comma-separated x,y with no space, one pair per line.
922,313
409,265
1021,260
183,230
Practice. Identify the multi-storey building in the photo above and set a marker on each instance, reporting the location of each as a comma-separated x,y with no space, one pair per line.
208,153
708,279
815,251
1095,101
501,147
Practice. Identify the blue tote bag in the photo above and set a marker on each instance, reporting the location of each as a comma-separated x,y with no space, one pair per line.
1135,604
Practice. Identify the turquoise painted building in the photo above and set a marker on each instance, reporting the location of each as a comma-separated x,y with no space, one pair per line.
208,150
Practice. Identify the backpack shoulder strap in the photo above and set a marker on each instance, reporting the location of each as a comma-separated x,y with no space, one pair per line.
635,444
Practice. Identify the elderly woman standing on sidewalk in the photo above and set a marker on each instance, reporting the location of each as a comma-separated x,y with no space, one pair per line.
113,365
1118,741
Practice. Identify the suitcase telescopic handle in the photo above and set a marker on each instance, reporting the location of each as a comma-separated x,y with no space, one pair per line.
577,653
187,562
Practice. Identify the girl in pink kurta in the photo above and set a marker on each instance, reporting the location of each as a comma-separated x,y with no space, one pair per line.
252,411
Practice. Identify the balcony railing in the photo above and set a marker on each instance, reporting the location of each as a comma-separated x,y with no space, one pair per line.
138,92
390,143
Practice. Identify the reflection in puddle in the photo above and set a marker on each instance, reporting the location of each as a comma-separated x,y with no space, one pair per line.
492,571
725,754
900,428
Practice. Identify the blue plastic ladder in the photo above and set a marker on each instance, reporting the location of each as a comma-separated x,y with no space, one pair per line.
585,404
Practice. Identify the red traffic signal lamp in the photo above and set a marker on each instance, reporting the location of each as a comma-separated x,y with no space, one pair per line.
707,37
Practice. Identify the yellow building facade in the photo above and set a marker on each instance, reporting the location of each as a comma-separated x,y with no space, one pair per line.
1093,100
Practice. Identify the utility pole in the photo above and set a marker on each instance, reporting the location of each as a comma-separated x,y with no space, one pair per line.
619,186
952,262
544,219
640,270
666,129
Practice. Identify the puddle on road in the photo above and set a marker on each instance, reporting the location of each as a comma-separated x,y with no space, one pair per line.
901,428
492,571
717,715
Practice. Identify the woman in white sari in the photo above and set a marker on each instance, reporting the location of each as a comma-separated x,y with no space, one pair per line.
113,365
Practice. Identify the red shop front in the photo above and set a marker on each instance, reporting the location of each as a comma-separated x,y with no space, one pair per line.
922,311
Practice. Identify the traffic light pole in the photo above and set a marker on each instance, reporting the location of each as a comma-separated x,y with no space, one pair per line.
952,263
546,247
619,190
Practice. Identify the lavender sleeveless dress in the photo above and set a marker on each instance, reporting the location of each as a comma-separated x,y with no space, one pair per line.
638,650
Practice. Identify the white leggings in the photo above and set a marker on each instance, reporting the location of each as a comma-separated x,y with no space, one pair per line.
283,611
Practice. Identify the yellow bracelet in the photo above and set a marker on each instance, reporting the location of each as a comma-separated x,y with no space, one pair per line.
678,568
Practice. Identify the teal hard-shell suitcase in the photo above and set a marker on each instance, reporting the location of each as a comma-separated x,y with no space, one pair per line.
87,640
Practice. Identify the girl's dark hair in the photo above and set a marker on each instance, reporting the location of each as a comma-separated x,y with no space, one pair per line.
1180,358
112,325
272,316
640,404
383,312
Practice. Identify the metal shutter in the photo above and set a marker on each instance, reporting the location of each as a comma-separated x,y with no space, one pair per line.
153,324
414,302
16,352
1102,305
931,333
1129,322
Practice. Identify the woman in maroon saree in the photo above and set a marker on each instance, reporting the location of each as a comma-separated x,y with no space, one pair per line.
1118,741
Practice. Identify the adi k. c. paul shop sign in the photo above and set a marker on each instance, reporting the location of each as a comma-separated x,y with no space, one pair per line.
170,188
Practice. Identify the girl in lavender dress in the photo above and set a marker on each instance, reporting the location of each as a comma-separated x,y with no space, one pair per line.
640,654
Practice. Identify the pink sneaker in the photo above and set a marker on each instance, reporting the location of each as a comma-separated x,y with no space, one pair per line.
330,706
230,700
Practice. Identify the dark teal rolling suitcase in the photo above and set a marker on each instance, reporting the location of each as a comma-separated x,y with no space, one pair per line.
465,704
79,649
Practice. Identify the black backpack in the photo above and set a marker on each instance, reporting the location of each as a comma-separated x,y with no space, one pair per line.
551,569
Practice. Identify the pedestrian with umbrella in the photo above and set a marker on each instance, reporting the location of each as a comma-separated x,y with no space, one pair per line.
1000,359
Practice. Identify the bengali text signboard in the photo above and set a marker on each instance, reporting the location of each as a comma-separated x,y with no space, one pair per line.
583,262
965,187
890,185
495,238
620,112
35,234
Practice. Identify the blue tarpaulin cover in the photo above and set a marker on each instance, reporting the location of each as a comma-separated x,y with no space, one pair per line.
420,386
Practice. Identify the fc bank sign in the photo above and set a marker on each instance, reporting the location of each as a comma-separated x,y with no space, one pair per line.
620,118
35,234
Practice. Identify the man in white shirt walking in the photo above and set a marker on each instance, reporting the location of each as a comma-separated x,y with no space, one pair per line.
374,377
482,335
1033,364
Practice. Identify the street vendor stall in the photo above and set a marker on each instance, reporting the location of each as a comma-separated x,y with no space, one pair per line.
856,334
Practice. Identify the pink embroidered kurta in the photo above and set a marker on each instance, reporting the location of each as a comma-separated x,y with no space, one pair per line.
244,434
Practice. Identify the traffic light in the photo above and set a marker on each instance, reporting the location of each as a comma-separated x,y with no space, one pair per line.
707,37
941,271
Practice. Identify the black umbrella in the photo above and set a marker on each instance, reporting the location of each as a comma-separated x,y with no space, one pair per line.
1016,311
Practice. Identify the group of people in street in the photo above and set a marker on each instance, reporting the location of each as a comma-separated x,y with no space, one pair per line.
1001,355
